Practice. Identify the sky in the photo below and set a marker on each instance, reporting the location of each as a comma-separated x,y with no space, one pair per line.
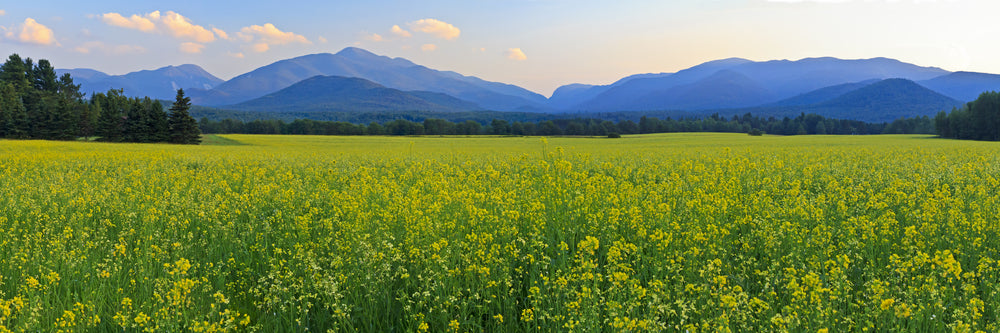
536,44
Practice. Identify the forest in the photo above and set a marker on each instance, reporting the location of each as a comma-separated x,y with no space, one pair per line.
977,120
804,124
36,104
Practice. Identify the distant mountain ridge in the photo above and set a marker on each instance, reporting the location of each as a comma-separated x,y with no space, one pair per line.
728,85
396,73
879,101
774,80
336,94
160,83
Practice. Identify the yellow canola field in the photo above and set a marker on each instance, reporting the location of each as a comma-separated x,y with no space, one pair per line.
676,232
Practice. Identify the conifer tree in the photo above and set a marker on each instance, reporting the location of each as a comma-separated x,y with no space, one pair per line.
110,122
183,127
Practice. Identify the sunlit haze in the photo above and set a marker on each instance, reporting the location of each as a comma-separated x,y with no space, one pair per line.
536,44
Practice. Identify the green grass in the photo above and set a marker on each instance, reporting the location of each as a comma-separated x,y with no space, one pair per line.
218,140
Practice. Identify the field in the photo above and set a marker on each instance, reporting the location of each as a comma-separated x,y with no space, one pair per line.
696,232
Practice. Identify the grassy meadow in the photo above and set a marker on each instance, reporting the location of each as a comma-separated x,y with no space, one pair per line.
674,232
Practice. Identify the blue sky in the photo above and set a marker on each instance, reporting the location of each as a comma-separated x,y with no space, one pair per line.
537,44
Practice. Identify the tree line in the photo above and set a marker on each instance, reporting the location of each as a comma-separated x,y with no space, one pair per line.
977,120
35,103
802,125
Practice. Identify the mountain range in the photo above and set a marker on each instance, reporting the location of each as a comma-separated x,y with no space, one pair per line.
396,73
875,89
337,94
161,83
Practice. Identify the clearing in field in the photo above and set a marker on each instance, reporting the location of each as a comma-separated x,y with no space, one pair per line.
699,232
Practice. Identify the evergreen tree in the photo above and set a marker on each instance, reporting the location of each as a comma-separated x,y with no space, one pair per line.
14,72
10,102
183,127
157,122
45,79
821,128
87,126
111,122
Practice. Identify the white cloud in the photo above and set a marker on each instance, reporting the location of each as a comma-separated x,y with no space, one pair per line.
516,54
134,22
30,32
396,30
180,27
374,37
321,39
270,34
436,28
238,55
193,48
170,23
428,47
3,12
220,33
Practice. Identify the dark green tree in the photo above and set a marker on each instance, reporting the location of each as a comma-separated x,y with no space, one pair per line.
111,120
14,72
183,127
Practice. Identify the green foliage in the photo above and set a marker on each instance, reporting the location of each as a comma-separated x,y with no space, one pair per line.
183,127
35,103
977,120
802,125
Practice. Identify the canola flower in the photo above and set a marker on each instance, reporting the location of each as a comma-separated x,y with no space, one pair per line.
676,232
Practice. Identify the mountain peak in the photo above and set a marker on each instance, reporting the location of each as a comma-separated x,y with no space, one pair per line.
729,61
355,52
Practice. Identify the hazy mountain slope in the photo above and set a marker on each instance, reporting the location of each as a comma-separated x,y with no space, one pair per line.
568,96
83,74
886,100
724,89
334,93
822,94
160,83
789,78
964,86
628,92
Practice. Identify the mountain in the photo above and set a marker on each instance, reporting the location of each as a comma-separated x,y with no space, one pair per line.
161,83
85,74
886,100
724,89
339,94
964,86
823,94
618,96
778,79
396,73
567,96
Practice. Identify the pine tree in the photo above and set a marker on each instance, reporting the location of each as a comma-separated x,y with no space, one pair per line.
110,122
157,126
8,102
183,127
88,119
